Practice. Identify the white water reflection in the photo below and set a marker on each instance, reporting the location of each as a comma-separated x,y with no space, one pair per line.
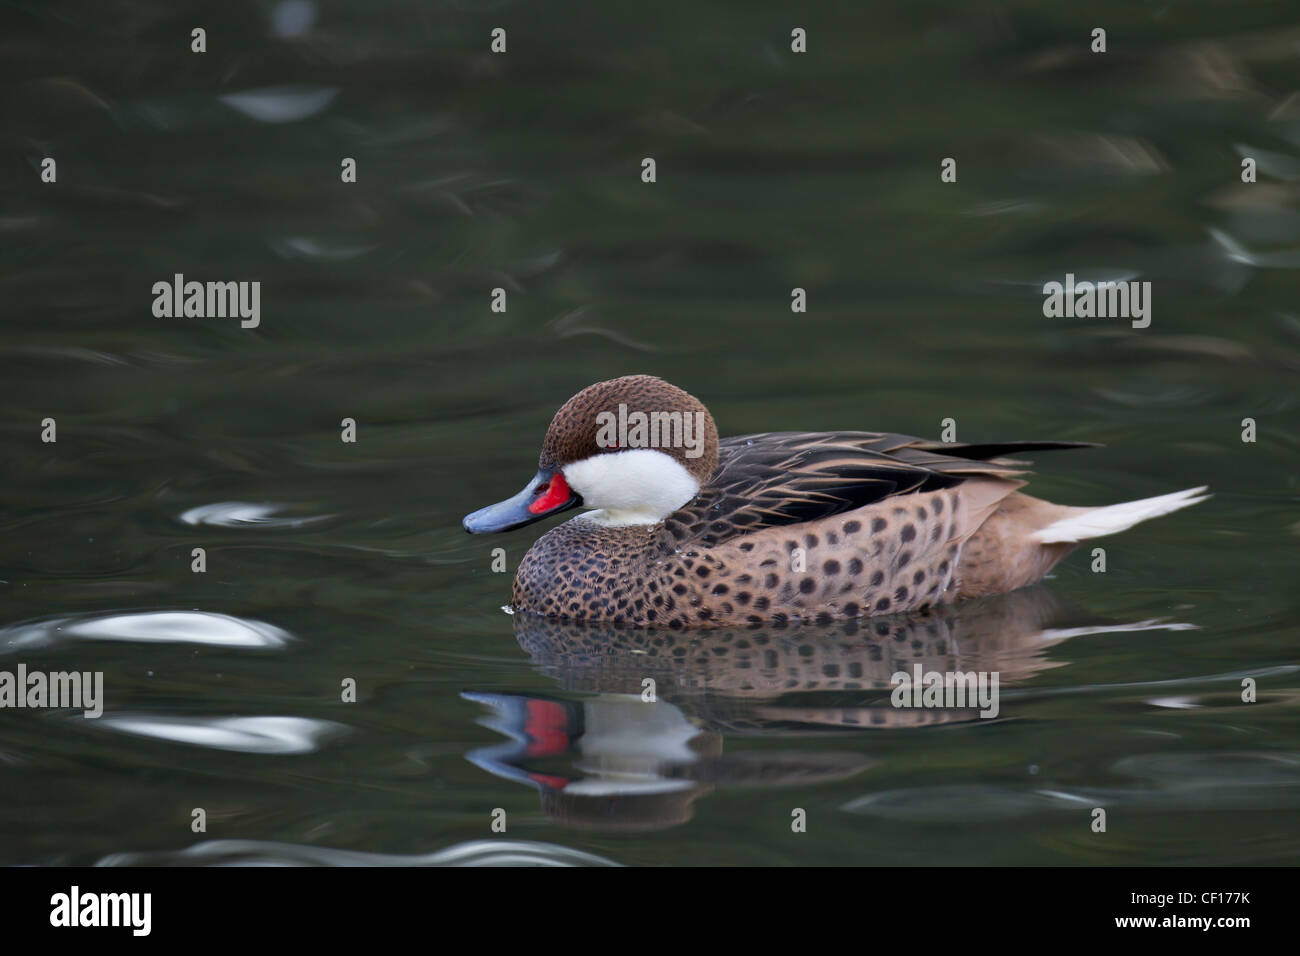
148,627
250,735
293,18
269,853
281,104
235,514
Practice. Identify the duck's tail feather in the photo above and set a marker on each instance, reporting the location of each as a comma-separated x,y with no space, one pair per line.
1085,523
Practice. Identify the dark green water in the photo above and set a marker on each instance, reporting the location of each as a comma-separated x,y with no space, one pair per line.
328,560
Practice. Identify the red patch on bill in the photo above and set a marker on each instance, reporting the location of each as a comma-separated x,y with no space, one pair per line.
556,494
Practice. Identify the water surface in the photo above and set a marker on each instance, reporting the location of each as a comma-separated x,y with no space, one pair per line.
329,561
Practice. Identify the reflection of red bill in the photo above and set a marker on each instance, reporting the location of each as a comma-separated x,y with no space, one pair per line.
547,727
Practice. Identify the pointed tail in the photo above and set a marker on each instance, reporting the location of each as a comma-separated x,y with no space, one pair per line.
1085,523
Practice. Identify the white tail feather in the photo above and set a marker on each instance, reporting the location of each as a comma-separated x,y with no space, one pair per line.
1096,522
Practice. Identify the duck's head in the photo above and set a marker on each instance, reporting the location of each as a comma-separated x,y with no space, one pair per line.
635,449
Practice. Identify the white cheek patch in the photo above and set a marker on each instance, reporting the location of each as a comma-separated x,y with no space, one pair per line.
637,486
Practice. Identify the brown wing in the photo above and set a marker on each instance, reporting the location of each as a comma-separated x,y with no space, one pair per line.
782,478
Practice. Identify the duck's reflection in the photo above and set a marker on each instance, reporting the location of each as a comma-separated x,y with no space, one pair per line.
617,762
638,753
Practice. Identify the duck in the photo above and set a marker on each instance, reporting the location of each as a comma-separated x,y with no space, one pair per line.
684,530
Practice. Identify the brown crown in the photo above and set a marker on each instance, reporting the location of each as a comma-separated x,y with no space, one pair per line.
574,429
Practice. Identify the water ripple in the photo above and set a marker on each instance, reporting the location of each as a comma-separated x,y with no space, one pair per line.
306,247
1214,770
250,735
281,104
236,514
293,18
148,627
955,802
269,853
1199,781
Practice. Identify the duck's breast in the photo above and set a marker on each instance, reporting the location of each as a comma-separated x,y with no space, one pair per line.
584,571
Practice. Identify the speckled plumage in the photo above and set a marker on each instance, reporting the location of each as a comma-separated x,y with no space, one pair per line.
794,526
